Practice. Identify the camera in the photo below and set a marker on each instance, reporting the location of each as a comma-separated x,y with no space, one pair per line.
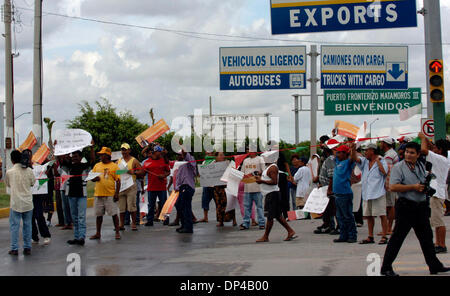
429,192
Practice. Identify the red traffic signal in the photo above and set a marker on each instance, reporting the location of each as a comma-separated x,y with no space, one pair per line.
436,66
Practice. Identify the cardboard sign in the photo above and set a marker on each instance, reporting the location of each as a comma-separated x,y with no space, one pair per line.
29,142
210,174
168,205
152,133
71,140
317,201
41,155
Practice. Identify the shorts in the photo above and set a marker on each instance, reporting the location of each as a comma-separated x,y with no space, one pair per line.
272,205
374,207
105,204
127,200
300,201
437,212
391,197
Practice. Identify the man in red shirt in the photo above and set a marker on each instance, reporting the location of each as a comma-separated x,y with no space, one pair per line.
157,169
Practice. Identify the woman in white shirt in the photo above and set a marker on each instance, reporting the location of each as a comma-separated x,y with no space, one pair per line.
271,192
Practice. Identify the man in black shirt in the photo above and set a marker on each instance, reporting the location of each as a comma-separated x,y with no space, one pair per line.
78,195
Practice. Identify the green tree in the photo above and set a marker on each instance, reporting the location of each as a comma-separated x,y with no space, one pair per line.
107,127
447,121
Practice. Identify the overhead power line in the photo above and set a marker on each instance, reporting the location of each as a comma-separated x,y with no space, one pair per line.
199,35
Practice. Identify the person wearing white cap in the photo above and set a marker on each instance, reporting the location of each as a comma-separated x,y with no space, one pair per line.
271,192
391,158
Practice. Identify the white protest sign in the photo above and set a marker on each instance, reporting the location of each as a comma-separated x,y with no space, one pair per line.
126,180
357,190
91,176
227,171
71,140
210,174
317,201
232,201
39,174
234,178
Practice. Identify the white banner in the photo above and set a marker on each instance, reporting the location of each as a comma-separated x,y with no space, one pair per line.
71,140
317,201
39,174
210,174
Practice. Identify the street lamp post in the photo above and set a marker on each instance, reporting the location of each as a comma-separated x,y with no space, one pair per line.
370,128
15,118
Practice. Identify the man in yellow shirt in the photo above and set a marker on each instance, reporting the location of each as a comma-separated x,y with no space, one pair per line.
107,189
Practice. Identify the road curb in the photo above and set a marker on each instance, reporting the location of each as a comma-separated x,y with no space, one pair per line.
4,213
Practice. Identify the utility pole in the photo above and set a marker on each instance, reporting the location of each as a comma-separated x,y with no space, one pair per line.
433,48
37,72
314,98
2,137
9,102
296,110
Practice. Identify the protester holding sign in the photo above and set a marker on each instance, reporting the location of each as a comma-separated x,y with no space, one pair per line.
128,185
251,167
208,192
107,190
158,170
220,197
77,193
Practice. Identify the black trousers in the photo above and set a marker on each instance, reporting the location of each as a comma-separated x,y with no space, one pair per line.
59,208
38,216
330,213
413,215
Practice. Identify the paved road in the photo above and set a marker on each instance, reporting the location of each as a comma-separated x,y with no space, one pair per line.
209,251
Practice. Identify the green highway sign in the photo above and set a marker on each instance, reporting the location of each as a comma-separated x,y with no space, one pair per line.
369,102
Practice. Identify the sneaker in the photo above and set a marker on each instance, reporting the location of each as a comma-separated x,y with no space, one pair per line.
47,240
13,252
80,242
27,252
166,222
149,223
49,224
440,249
35,242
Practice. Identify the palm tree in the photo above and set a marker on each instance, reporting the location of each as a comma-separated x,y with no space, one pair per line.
152,116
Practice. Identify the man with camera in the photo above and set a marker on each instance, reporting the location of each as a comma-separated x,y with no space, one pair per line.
438,158
409,180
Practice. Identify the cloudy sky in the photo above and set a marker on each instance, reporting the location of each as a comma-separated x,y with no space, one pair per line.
137,69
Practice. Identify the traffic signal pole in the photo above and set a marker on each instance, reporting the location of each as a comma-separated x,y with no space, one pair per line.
433,44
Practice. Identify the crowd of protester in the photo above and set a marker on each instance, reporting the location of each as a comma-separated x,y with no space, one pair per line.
364,182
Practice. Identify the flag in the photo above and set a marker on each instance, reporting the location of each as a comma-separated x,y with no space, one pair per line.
42,182
336,141
209,159
121,172
346,129
238,159
152,133
406,114
299,149
29,142
41,154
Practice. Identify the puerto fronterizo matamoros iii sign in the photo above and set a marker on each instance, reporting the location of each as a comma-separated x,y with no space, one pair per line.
304,16
251,68
368,102
364,67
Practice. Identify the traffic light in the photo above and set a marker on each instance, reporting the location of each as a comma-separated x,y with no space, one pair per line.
437,81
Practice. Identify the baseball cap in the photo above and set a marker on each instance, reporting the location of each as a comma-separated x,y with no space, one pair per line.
389,141
105,150
157,148
371,146
125,146
343,148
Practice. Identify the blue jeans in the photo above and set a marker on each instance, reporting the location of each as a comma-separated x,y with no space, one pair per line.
78,207
345,217
207,196
152,195
66,208
14,228
184,207
249,198
293,192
